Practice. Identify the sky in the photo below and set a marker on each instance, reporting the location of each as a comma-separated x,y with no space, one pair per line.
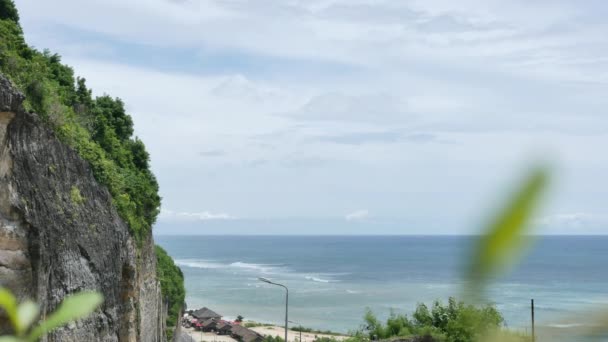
350,116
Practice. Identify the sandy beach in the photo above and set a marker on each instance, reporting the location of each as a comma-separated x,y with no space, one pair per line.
207,336
292,336
271,330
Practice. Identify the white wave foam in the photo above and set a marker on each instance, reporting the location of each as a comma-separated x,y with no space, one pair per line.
255,269
565,325
318,280
315,290
438,286
264,268
195,263
352,291
209,264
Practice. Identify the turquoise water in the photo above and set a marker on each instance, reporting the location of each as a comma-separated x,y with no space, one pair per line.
333,279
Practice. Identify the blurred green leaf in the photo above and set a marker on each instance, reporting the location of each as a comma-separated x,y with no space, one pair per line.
72,308
9,303
9,339
503,239
26,315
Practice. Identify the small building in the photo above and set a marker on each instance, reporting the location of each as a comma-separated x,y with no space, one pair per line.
209,325
205,314
245,334
237,331
191,322
223,328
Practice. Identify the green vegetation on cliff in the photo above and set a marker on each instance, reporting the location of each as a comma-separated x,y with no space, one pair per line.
98,128
172,284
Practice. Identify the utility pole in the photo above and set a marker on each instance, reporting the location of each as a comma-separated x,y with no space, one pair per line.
286,301
532,312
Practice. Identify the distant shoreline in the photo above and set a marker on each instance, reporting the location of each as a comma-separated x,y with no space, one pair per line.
264,329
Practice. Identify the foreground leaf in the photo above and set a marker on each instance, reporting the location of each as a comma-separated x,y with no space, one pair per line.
503,239
72,308
9,303
26,315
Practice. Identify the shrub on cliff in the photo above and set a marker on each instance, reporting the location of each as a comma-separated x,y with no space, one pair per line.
172,284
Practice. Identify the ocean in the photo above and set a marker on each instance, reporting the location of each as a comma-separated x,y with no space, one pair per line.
332,280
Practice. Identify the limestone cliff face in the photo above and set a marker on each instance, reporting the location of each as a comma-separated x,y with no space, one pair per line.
60,234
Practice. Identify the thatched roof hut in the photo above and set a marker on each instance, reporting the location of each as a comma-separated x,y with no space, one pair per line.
237,330
205,314
252,336
209,324
224,328
245,334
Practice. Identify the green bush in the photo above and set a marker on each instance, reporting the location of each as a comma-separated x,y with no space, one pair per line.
251,324
357,337
314,331
76,196
454,322
172,285
273,339
8,11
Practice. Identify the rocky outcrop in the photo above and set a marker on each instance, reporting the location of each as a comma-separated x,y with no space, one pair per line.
60,234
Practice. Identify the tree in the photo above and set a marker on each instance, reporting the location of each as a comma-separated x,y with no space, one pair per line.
84,95
141,157
172,286
239,318
422,316
454,322
113,111
9,11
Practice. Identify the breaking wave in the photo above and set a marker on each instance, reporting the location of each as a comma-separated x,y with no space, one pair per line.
207,264
319,280
263,268
256,269
195,263
566,325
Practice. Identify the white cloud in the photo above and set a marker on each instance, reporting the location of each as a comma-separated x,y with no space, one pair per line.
357,215
575,221
503,34
304,100
170,215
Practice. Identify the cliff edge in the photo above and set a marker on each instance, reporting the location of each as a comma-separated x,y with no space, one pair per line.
60,233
